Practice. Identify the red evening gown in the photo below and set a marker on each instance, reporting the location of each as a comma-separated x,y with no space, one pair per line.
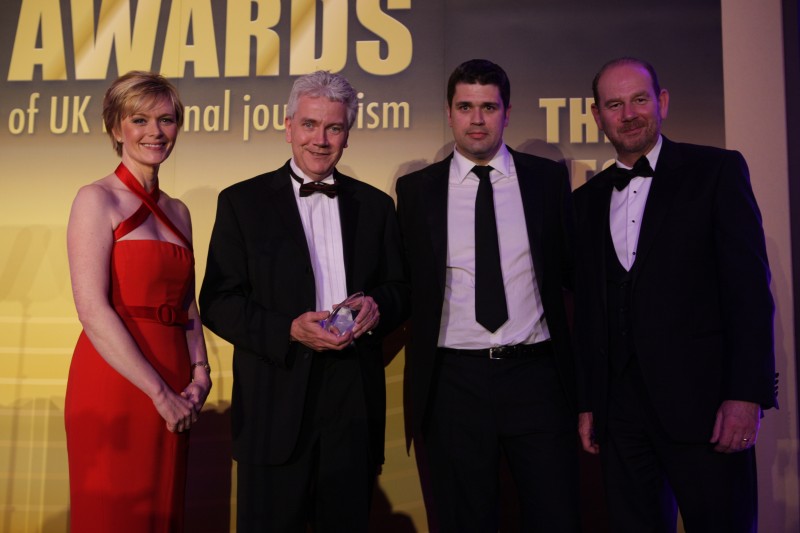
127,471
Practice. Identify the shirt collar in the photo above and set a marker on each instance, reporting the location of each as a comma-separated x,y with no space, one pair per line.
501,162
302,175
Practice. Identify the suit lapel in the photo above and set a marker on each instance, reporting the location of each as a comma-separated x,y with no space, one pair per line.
286,205
667,181
600,205
435,197
530,187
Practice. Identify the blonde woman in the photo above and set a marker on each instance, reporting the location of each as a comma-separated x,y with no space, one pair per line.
139,374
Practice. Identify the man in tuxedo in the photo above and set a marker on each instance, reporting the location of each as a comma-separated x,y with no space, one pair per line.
308,403
487,240
673,319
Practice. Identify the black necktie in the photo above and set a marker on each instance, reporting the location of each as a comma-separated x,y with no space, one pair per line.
622,176
490,295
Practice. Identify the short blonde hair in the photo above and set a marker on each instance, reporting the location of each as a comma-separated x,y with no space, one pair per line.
132,92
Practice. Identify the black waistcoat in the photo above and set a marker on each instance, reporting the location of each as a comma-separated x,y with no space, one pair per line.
618,296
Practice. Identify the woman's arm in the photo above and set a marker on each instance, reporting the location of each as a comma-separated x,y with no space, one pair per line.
89,244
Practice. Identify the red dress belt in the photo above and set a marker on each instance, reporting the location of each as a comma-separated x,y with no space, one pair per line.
166,314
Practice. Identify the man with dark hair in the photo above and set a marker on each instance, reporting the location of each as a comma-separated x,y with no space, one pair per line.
308,404
487,234
673,319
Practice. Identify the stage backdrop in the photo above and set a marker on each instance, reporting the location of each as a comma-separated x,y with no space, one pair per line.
233,62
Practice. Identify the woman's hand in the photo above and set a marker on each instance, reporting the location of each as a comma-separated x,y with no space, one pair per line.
178,412
197,392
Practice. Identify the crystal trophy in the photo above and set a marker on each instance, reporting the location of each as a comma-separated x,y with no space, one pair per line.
343,317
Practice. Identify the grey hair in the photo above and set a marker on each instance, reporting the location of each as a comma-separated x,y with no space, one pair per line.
324,84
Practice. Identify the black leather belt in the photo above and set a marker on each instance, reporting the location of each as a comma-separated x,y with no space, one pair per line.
514,351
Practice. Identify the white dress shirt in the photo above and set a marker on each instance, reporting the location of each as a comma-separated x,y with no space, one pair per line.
627,209
526,323
323,229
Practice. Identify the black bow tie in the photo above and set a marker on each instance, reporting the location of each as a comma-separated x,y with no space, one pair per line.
622,176
309,188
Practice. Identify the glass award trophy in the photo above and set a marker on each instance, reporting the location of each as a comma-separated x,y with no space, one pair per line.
343,317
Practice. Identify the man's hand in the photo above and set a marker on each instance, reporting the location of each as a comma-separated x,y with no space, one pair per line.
306,329
368,315
586,432
736,426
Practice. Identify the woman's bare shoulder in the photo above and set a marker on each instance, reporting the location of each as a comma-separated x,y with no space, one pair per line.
178,212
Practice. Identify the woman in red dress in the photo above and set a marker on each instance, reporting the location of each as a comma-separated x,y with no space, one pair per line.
139,374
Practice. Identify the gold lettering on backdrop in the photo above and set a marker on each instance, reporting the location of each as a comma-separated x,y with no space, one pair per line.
20,120
399,44
552,107
394,109
259,117
67,115
240,29
317,40
78,113
38,17
580,120
134,51
333,50
215,117
371,116
386,115
582,127
195,15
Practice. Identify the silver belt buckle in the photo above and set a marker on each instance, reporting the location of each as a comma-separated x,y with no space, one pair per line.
492,350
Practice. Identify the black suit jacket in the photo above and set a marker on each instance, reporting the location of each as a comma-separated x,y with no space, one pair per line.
259,278
422,212
701,307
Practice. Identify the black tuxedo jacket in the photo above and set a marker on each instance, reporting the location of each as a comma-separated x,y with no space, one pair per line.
259,278
701,309
422,212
